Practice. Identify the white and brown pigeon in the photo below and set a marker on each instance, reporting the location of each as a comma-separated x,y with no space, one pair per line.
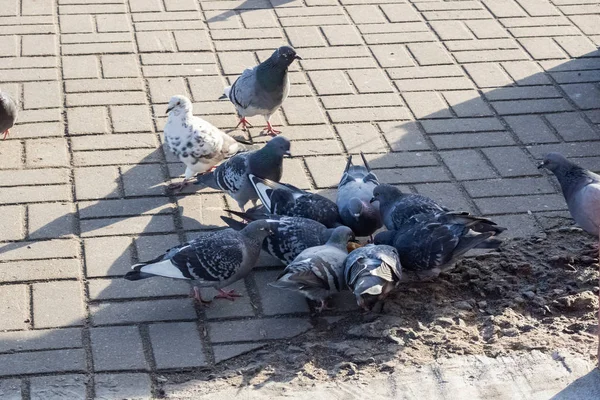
8,113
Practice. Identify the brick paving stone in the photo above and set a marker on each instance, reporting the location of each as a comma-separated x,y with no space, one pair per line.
399,160
572,127
403,136
585,96
511,161
241,307
125,226
123,386
107,256
142,311
21,271
445,193
57,304
462,125
257,329
16,307
40,339
131,118
361,137
76,23
185,351
326,171
155,42
510,187
70,360
370,81
330,82
47,153
58,387
227,351
120,66
41,95
488,75
305,111
427,105
467,103
469,140
88,120
51,220
451,30
467,164
12,220
96,183
341,35
111,289
10,389
110,344
40,250
412,175
80,67
273,300
531,129
519,204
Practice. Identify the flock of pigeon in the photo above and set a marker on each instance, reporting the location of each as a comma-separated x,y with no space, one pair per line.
312,235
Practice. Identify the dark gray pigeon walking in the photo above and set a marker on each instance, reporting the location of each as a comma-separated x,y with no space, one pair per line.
371,273
355,191
232,176
262,89
285,199
397,208
428,246
581,189
318,272
8,113
291,235
216,259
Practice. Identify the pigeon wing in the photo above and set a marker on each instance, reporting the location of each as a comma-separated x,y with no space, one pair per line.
230,175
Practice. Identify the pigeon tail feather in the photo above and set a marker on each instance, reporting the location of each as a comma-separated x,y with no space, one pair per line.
154,268
232,223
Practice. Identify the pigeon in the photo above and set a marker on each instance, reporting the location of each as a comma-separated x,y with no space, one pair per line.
285,199
261,90
197,143
355,191
581,189
371,273
232,176
318,272
396,208
216,259
428,246
8,113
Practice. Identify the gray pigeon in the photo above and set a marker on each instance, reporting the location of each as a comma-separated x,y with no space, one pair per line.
428,246
318,272
8,113
355,191
581,189
216,259
261,90
197,143
372,272
291,235
285,199
396,208
232,176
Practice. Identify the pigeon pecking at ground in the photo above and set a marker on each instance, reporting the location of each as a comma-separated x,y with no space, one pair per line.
291,235
197,143
318,272
261,90
216,259
8,113
581,189
397,208
427,246
232,176
355,191
371,273
285,199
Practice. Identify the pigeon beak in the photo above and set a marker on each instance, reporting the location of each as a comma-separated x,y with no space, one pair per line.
223,97
169,109
541,165
297,57
373,200
287,153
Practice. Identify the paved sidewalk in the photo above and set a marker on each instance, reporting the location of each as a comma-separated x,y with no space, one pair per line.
451,99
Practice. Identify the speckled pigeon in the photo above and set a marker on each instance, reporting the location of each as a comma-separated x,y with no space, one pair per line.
372,272
397,208
232,176
216,259
318,272
8,113
197,143
262,89
285,199
355,191
291,235
428,246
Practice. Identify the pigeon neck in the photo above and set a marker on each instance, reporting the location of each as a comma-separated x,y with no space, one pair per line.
265,163
181,114
270,75
571,178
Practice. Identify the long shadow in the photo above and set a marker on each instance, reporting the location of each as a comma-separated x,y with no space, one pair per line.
247,6
429,138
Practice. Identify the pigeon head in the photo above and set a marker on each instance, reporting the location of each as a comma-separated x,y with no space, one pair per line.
355,206
179,104
284,56
554,162
385,193
258,229
341,236
279,145
367,291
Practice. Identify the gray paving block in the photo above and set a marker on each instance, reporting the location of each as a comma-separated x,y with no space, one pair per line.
222,308
72,387
117,348
227,351
42,362
40,339
10,389
277,301
257,329
140,311
123,386
177,345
